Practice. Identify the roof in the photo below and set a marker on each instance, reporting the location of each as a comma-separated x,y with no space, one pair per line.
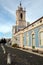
34,22
31,23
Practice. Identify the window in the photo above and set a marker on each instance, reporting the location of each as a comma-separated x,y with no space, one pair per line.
33,39
27,39
40,21
21,15
32,25
41,38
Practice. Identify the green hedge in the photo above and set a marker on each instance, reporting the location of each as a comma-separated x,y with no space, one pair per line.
15,45
33,47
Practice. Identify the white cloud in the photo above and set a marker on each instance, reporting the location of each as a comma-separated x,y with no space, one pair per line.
34,10
5,29
9,10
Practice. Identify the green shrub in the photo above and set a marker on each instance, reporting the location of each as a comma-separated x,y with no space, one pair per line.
33,47
15,45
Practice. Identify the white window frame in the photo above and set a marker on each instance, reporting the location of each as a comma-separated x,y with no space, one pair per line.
33,40
41,30
27,38
41,39
33,44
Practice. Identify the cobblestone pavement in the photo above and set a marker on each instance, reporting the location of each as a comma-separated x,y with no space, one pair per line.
19,57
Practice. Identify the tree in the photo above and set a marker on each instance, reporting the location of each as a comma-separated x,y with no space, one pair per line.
3,41
0,41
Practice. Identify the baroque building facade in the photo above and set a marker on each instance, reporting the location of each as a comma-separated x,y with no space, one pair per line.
27,36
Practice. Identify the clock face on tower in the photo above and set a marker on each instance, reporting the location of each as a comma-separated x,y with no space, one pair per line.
21,15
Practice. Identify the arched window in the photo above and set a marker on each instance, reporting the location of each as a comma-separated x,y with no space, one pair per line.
33,38
27,39
21,15
41,38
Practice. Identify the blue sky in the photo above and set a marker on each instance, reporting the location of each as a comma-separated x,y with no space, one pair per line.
34,10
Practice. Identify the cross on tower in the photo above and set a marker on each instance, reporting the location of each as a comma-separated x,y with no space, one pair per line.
20,3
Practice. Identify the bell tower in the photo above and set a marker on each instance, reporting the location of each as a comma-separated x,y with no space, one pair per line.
20,19
20,16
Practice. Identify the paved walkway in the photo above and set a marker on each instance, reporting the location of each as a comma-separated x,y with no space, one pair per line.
30,51
25,57
20,57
